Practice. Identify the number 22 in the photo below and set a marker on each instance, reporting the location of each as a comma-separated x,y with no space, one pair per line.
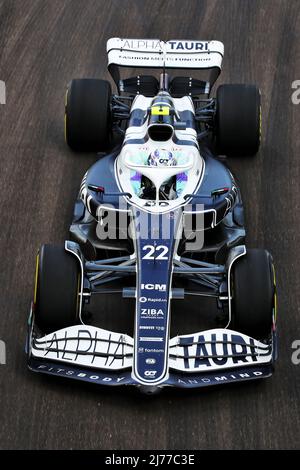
162,249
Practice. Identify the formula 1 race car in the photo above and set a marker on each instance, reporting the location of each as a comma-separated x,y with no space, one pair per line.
159,218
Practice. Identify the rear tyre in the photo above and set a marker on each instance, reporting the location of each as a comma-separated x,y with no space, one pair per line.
88,115
253,294
57,288
238,120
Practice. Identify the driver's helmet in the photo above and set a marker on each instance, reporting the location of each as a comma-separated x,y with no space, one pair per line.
161,158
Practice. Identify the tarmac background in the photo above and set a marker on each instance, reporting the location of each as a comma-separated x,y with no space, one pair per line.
43,45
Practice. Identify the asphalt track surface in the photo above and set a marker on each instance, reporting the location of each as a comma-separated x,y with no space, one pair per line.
44,44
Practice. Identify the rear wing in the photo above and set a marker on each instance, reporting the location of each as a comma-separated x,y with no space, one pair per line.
172,54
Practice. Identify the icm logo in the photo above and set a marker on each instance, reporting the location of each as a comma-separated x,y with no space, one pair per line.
159,287
2,353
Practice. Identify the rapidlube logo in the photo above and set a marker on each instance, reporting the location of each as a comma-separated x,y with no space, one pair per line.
2,353
2,92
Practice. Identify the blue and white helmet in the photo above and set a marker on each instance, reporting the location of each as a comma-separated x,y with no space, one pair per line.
161,158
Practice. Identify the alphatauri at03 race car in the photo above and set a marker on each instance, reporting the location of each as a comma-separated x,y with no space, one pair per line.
158,221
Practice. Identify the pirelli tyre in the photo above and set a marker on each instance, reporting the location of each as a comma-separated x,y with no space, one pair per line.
238,120
88,119
253,294
56,289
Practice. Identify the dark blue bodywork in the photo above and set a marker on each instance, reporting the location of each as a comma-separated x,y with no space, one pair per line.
216,176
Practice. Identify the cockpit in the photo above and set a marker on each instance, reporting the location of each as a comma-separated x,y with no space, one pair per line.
160,160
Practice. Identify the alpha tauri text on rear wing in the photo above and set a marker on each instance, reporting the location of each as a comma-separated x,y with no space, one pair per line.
154,53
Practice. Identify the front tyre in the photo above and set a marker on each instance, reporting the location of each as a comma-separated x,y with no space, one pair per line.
57,289
253,294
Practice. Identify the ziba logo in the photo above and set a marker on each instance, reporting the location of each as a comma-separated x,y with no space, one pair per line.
152,312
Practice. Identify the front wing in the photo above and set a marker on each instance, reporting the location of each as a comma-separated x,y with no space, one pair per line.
100,356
